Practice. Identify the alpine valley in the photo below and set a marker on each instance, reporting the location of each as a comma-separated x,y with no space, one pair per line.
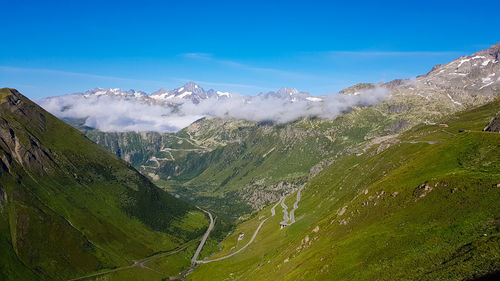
381,181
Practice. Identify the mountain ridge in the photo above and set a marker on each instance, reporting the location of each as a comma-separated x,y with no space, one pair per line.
425,158
459,84
424,208
221,156
69,207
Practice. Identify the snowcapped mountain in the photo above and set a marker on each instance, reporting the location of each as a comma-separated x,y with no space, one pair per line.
116,92
191,92
478,72
290,94
464,82
452,83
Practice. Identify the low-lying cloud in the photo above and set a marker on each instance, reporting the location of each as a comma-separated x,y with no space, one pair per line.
115,114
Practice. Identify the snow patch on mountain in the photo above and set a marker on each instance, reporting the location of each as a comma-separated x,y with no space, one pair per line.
167,111
466,81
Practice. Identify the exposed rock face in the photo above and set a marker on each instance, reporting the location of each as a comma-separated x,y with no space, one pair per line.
423,189
290,94
30,153
478,72
451,87
24,148
493,51
260,196
135,148
316,169
190,91
3,198
494,125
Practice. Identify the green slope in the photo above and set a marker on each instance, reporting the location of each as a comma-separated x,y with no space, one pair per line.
235,166
69,208
425,208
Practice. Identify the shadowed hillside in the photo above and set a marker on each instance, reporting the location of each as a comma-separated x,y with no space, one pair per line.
68,207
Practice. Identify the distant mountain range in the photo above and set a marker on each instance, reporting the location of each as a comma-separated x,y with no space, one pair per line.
478,72
464,82
192,92
383,181
189,92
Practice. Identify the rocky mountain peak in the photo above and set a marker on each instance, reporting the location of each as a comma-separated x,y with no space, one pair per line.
289,94
190,91
159,91
191,86
463,78
493,52
287,91
115,92
486,59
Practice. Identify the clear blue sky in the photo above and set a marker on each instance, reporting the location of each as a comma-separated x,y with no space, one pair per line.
56,47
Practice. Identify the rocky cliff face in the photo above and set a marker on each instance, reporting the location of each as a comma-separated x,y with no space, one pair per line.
478,73
494,125
462,83
22,146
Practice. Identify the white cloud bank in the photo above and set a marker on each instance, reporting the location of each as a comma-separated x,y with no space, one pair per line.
114,114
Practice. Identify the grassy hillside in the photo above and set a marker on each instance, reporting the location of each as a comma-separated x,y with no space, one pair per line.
235,166
422,206
68,207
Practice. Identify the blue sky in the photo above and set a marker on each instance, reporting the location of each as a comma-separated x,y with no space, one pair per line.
57,47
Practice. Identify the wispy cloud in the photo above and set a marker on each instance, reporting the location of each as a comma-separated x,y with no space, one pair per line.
70,73
233,86
196,55
239,65
116,114
393,53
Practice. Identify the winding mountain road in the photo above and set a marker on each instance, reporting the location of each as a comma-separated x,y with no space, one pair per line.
296,205
285,211
273,209
273,212
141,263
242,248
204,239
286,220
195,260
